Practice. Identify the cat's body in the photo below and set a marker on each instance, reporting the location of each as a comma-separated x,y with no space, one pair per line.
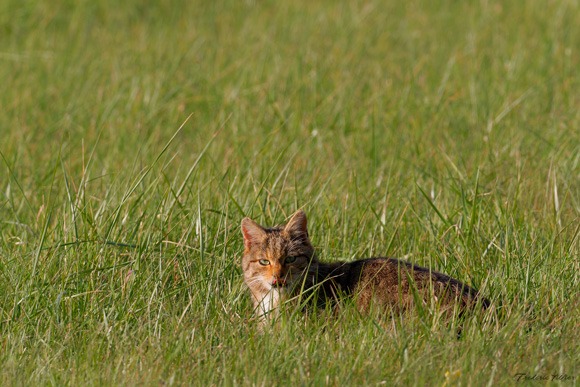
280,264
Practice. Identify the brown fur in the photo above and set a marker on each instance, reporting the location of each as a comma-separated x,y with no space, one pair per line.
390,283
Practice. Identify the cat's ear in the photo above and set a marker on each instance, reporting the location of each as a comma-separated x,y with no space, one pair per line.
253,233
296,226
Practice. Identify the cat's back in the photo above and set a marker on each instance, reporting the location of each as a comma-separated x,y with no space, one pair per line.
398,282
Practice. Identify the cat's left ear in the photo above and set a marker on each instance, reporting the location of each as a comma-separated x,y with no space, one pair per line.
296,226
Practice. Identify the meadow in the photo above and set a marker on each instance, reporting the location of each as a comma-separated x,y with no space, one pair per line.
135,136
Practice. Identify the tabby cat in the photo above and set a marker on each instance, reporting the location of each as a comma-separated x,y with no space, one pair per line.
279,264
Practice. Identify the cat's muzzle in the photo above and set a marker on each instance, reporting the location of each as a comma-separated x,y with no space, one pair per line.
278,283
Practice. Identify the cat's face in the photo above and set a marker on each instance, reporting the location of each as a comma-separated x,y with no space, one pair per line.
276,258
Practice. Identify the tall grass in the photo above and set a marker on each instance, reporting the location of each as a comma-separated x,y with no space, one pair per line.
134,138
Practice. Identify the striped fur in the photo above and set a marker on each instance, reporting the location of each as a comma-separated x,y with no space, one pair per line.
279,263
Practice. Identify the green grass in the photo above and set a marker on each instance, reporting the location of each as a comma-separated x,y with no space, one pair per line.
444,131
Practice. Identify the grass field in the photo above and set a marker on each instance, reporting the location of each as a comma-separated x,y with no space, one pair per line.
134,139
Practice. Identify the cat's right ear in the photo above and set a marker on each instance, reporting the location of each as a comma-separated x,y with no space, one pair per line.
253,233
296,226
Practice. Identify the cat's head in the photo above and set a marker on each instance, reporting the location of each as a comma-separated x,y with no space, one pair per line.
276,257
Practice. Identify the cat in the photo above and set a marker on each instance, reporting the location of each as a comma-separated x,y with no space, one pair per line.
280,263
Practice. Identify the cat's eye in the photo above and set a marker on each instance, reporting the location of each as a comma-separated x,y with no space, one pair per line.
290,259
264,262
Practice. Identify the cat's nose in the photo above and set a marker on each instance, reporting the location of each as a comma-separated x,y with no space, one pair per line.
278,282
